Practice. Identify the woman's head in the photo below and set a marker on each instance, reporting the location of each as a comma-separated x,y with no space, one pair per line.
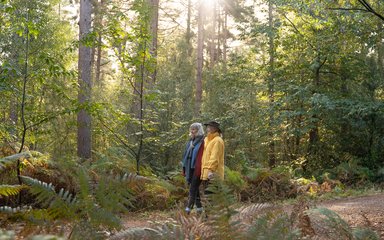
196,129
213,127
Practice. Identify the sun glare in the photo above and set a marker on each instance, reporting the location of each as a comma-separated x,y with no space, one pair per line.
208,4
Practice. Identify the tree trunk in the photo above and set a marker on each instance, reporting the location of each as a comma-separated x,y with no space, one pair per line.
99,42
154,22
212,49
225,37
314,132
271,93
219,34
188,35
84,140
13,106
200,59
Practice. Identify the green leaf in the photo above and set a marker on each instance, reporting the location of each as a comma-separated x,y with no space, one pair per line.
10,190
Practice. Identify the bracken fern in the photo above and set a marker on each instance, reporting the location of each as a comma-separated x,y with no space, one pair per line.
10,190
9,160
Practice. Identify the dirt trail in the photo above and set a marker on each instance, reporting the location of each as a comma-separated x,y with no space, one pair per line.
366,211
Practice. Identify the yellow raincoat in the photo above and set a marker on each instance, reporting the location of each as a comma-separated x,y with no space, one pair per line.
213,156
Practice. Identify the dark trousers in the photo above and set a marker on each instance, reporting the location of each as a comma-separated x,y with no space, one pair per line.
194,192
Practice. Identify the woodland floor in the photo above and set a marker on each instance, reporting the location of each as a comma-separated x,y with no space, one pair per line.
363,211
367,211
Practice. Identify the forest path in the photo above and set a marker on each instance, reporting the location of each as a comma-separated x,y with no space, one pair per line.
362,211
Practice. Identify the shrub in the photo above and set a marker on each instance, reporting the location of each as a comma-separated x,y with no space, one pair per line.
268,185
235,182
351,173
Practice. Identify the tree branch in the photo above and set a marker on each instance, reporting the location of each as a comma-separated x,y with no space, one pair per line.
370,9
132,151
349,9
367,9
297,30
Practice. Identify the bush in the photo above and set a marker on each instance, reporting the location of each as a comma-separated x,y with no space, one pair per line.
268,185
351,173
235,182
155,195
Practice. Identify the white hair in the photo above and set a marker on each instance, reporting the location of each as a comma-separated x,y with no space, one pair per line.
199,127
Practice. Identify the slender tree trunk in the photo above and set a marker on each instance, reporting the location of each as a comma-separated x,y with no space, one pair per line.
141,104
24,93
154,22
212,49
13,116
188,35
225,37
200,59
271,93
314,132
99,42
84,138
219,34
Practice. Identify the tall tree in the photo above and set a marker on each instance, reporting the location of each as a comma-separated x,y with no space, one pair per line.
271,79
84,132
200,58
99,25
153,28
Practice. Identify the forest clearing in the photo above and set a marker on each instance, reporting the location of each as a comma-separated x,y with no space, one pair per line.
191,119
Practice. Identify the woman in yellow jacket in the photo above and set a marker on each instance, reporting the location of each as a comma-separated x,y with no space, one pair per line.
212,163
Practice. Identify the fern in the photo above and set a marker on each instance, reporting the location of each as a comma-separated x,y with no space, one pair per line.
193,227
331,224
249,213
132,177
9,160
7,209
365,234
45,192
7,235
10,190
137,233
165,232
334,227
60,204
272,225
92,209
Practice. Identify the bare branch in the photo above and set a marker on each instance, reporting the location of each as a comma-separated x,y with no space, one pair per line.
297,30
367,8
349,9
119,138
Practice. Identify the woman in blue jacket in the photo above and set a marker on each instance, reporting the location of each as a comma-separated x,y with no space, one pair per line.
192,165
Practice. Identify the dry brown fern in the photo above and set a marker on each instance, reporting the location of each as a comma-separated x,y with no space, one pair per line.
246,214
195,227
300,219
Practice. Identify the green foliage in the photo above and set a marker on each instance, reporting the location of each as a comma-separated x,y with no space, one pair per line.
235,181
94,205
6,161
352,173
10,210
10,190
